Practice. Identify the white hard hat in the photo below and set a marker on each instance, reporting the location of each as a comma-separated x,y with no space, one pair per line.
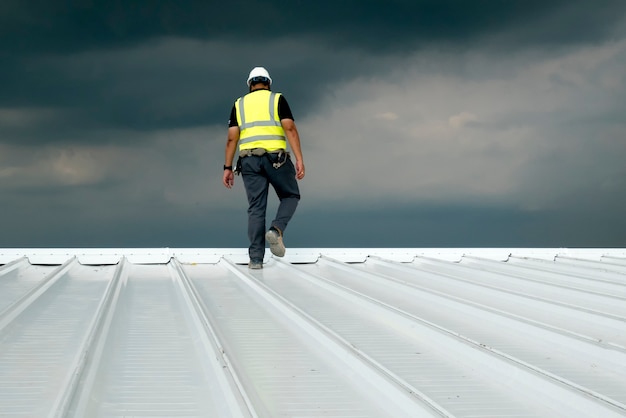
259,72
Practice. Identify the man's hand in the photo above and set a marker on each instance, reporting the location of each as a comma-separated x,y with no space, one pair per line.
299,169
229,179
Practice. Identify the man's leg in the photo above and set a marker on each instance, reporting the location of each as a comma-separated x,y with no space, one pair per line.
256,185
284,182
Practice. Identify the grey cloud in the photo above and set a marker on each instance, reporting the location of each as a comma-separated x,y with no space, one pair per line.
519,138
35,25
146,66
167,84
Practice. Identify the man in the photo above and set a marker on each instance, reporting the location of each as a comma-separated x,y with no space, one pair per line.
262,123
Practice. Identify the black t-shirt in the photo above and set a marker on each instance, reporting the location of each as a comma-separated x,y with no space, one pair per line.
284,112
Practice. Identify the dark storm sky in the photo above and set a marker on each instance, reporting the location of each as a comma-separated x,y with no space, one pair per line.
423,123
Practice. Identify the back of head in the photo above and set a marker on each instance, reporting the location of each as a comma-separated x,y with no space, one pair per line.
259,75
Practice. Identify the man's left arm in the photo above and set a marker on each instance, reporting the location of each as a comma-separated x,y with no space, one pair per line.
291,132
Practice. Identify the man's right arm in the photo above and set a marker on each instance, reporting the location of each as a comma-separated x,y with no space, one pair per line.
232,139
231,147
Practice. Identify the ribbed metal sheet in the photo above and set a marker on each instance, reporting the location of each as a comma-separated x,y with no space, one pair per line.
323,332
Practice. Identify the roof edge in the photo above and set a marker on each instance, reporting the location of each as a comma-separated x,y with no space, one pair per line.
103,256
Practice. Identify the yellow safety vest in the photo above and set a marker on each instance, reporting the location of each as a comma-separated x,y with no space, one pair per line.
258,120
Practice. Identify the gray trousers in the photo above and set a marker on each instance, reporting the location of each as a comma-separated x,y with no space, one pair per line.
258,173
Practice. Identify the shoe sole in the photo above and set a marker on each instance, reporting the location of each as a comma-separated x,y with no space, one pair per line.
276,243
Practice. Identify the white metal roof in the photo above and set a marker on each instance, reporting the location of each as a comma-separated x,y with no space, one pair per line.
322,332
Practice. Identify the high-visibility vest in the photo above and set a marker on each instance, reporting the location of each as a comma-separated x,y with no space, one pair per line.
258,120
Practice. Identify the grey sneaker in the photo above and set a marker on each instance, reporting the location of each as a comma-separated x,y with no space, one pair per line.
275,238
255,264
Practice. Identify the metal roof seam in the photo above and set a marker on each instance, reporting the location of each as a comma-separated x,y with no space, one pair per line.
370,361
542,266
12,265
495,354
30,297
79,403
614,260
404,396
597,262
496,269
584,343
591,265
437,271
553,328
227,375
455,334
76,369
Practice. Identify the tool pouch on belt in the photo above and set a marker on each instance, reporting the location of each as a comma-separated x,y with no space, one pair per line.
277,158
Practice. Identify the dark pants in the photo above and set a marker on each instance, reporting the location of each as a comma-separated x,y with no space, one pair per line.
258,173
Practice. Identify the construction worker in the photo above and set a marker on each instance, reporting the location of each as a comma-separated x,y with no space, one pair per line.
262,123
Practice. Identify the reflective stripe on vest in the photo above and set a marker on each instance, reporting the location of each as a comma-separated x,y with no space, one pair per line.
259,124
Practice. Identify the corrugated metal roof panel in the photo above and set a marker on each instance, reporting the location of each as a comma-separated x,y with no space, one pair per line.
323,332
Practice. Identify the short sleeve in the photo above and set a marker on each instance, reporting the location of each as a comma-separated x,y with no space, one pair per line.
284,111
232,121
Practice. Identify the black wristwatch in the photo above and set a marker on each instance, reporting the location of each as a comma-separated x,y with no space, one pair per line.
228,167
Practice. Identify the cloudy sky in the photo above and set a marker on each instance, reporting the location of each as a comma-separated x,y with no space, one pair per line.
424,123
